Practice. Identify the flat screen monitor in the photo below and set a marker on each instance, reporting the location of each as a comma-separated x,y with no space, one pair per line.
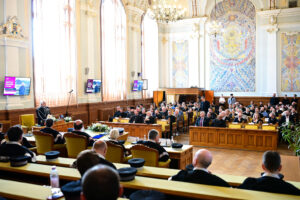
16,86
93,86
137,85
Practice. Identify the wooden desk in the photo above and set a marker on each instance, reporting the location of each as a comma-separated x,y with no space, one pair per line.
60,126
180,157
231,138
18,190
181,189
136,130
71,174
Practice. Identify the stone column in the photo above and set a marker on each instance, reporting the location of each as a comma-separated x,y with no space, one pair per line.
134,48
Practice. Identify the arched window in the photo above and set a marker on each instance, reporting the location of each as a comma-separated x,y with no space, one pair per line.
150,54
113,41
54,50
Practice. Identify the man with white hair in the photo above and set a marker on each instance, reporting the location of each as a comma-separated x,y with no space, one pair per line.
200,174
42,112
149,119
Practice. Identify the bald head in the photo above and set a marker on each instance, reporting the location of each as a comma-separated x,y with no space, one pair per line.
101,182
202,158
100,147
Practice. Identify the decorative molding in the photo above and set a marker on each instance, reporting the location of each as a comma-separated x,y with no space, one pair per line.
90,8
134,15
13,42
11,29
287,12
272,28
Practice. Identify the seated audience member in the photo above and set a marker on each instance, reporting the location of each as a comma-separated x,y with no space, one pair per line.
164,112
231,100
286,118
219,122
100,147
149,119
272,119
157,114
200,174
213,114
153,142
227,117
78,126
264,112
117,114
260,115
58,138
24,142
123,114
113,136
101,182
202,120
127,112
13,147
42,112
285,100
271,179
274,100
136,118
261,104
294,114
84,161
239,118
144,113
256,119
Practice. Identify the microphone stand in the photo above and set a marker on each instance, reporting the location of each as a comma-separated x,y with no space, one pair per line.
67,114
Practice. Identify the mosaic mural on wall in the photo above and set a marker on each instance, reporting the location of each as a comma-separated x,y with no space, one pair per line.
232,52
180,60
290,62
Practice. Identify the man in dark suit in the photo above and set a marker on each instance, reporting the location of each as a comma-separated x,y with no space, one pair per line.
153,142
271,179
157,114
202,120
285,100
219,122
58,139
164,112
136,118
84,161
200,174
100,147
204,105
272,119
274,100
42,112
287,118
78,126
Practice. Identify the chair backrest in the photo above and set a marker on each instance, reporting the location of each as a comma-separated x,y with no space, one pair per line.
123,137
27,120
150,155
75,144
234,125
43,141
114,152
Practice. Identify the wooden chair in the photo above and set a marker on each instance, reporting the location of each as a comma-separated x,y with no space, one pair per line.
123,137
45,142
149,155
115,153
75,144
27,121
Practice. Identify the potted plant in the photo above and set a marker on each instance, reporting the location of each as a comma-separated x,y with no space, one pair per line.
291,134
97,127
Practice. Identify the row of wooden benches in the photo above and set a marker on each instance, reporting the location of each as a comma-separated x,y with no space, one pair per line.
147,178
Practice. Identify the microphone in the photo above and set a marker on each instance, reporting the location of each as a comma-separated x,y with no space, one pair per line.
71,91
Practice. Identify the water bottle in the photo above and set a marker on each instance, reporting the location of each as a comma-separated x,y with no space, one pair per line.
54,178
145,138
172,140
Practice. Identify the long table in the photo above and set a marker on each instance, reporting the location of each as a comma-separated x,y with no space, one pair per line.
231,138
136,130
176,188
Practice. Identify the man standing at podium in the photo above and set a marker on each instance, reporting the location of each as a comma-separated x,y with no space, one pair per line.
42,112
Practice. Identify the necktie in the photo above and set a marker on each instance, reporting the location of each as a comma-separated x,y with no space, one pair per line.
201,122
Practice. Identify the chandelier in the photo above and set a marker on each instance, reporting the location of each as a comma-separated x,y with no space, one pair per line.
166,11
215,27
